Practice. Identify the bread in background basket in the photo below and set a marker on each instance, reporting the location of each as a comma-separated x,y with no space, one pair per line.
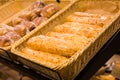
20,25
70,68
57,46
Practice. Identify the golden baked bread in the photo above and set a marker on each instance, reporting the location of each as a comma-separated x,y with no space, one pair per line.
89,32
76,40
44,58
84,14
68,27
77,28
52,45
86,20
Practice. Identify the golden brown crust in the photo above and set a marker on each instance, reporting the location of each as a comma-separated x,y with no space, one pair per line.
52,45
86,30
87,20
44,58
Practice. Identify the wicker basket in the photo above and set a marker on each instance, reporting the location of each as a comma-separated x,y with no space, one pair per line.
60,5
11,8
71,68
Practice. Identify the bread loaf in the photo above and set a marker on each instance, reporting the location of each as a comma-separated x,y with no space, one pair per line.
86,20
77,28
52,45
84,14
68,27
28,15
76,40
44,58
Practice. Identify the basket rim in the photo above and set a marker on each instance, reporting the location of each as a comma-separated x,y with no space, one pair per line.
77,54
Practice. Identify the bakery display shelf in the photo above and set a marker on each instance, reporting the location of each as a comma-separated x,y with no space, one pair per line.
104,54
80,59
28,4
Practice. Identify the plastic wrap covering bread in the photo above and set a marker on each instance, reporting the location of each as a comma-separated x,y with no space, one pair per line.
16,20
28,20
8,39
28,15
37,5
86,30
88,18
20,29
5,28
54,45
13,36
39,20
49,10
4,41
29,25
45,58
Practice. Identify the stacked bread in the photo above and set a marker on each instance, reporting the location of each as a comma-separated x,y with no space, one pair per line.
65,39
25,22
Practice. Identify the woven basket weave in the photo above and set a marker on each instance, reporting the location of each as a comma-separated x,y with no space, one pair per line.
8,11
71,68
11,8
19,3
